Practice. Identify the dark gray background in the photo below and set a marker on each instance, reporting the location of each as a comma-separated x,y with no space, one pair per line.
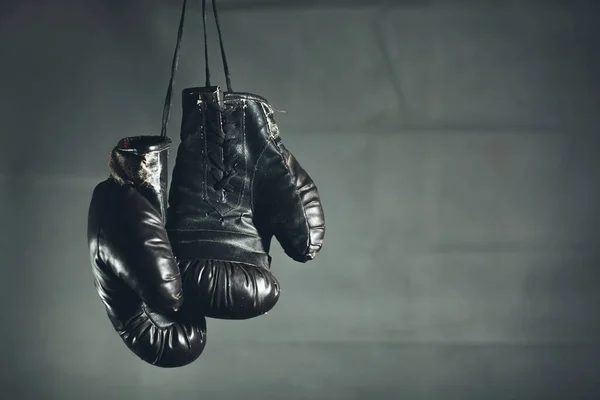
454,145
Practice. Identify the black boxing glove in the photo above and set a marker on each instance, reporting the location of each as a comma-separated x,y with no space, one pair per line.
234,187
135,272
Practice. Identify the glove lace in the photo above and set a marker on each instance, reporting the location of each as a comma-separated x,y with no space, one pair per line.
223,157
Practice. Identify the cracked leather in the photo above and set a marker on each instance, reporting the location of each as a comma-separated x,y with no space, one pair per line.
235,186
135,272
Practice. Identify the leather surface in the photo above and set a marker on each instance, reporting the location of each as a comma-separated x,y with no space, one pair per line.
229,290
234,187
135,272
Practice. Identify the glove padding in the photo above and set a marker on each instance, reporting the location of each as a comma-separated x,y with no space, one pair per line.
136,275
234,187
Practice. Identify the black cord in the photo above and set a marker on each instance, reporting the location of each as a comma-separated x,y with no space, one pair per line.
175,64
206,67
169,97
222,47
223,55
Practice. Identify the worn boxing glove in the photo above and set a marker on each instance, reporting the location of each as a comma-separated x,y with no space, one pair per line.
135,272
234,187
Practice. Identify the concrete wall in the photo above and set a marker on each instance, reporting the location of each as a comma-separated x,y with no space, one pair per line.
455,150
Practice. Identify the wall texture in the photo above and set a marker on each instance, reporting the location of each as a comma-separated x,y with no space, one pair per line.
455,149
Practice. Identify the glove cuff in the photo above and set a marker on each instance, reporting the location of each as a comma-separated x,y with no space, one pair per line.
144,144
141,161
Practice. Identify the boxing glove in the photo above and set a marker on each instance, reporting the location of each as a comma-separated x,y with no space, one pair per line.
135,271
234,187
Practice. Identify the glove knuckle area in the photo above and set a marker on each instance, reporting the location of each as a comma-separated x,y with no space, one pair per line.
161,338
165,341
229,290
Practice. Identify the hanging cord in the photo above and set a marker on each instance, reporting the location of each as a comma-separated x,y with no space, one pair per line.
223,55
206,68
169,96
175,64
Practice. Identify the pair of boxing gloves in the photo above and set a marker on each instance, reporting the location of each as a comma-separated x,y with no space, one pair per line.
161,269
